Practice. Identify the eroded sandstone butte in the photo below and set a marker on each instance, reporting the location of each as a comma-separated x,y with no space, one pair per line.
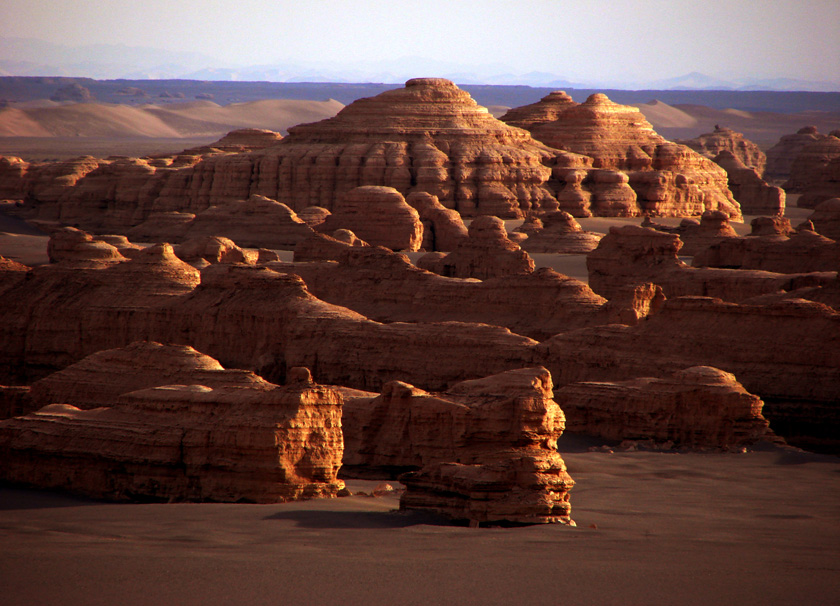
257,443
755,195
668,179
780,157
726,139
815,172
699,407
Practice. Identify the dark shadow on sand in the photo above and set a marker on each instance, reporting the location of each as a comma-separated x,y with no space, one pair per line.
16,498
362,520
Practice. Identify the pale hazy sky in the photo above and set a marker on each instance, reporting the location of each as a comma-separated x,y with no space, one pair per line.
615,39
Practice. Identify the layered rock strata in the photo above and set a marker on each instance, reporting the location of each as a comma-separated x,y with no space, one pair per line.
668,179
321,247
260,443
713,227
754,195
486,449
443,228
799,252
724,139
486,253
386,287
700,407
632,255
378,215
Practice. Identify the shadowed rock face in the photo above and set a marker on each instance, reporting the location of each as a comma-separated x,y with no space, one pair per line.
753,194
633,255
698,407
780,157
826,218
726,139
668,179
815,172
696,236
558,233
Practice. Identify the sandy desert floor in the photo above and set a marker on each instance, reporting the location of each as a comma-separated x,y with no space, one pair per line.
758,528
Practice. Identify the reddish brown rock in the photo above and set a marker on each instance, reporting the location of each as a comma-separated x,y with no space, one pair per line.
486,253
753,193
12,274
73,246
632,255
701,407
668,179
12,173
46,184
384,286
443,228
162,227
486,449
799,252
184,443
313,216
559,233
815,172
826,218
321,247
780,157
779,352
202,251
99,379
126,249
547,109
725,139
378,215
696,236
247,139
771,226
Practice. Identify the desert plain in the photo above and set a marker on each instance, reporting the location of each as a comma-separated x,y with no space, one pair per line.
736,521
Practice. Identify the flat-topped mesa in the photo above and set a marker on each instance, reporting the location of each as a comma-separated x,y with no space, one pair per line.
726,139
632,255
486,253
378,215
256,443
485,450
780,157
753,193
815,173
668,179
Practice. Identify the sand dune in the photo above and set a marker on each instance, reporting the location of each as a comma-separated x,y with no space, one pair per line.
661,114
193,119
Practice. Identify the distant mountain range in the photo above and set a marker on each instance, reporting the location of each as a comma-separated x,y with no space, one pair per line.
29,57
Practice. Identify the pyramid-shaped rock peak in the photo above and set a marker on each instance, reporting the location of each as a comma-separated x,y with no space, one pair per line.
668,179
429,136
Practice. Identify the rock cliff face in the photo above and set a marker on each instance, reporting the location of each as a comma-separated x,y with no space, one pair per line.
725,139
185,443
826,218
700,407
12,172
815,173
486,449
321,247
378,215
632,255
754,195
780,157
547,109
385,287
668,179
443,228
486,253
